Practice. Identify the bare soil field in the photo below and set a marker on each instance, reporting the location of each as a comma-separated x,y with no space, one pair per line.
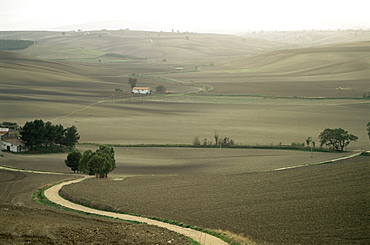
71,79
23,221
320,204
336,70
132,161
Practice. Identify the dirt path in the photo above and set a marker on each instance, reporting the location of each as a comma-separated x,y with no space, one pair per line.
201,237
53,195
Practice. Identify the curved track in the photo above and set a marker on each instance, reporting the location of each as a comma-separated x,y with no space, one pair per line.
201,237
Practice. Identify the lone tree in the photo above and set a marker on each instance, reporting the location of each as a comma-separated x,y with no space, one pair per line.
73,160
132,81
336,138
160,89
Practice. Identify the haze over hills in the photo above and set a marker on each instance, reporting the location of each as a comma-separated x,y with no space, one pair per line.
229,64
141,44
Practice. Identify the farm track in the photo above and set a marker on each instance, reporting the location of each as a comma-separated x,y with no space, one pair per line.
52,194
201,237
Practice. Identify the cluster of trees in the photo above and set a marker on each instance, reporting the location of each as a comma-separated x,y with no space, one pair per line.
10,125
98,163
336,139
9,44
37,134
219,141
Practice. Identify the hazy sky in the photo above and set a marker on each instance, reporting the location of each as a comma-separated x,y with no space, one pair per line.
191,14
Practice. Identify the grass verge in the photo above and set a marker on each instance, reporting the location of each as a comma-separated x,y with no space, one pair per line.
39,197
226,236
269,147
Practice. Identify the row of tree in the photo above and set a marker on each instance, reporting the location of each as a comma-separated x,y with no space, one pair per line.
98,163
37,134
219,141
337,139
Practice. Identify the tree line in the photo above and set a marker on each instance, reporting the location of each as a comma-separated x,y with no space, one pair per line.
98,163
37,135
334,139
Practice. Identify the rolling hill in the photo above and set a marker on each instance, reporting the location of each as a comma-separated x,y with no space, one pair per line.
142,44
335,70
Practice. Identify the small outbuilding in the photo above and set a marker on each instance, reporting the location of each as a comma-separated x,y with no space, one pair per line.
9,141
141,90
13,145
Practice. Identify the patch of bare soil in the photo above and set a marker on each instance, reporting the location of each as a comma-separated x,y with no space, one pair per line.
320,204
22,225
23,221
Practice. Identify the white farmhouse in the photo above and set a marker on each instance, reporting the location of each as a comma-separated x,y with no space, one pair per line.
141,90
10,142
13,145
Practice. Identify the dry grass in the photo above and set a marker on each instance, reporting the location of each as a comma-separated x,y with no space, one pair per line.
235,238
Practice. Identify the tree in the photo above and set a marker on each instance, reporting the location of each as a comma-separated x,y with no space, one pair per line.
109,162
336,138
70,137
33,133
132,81
83,166
11,125
368,129
101,162
160,89
216,136
73,160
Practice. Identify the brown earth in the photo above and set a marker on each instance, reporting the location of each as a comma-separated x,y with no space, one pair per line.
23,221
320,204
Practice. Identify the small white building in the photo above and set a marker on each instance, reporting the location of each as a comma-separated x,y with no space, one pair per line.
141,90
13,145
10,142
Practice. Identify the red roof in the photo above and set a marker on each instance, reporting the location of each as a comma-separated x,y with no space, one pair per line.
141,88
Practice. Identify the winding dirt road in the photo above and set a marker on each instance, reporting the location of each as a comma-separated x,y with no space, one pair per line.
52,194
201,237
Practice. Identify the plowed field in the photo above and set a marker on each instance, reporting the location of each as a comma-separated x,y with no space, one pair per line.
321,204
23,221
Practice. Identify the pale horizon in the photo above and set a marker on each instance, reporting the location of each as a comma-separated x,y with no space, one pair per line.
193,16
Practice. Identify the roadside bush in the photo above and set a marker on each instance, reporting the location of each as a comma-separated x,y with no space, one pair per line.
196,141
226,141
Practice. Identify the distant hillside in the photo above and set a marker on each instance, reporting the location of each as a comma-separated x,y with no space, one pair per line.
27,77
10,44
302,39
336,70
143,44
327,59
